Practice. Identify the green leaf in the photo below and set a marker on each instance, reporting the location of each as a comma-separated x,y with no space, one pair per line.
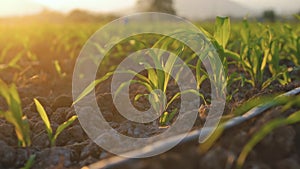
44,117
233,55
29,162
297,16
265,58
91,87
1,113
15,102
245,32
169,67
201,75
4,51
163,118
14,93
157,100
141,77
257,138
62,127
294,118
127,83
4,91
222,30
26,131
160,74
14,115
268,82
138,96
184,92
171,115
152,76
251,103
13,62
204,147
266,129
58,69
121,87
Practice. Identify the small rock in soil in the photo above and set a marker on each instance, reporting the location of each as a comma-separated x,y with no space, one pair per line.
76,133
41,140
7,155
63,138
92,149
6,129
256,165
59,115
240,139
7,133
289,163
89,160
216,158
177,161
11,140
277,144
76,149
44,101
53,158
31,114
22,156
108,115
62,101
38,127
26,101
297,138
70,113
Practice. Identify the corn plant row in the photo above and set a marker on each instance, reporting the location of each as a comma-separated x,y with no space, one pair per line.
283,99
15,116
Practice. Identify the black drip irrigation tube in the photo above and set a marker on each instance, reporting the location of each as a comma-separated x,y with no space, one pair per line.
118,160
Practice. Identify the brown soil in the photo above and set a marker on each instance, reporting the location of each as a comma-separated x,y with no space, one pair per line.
280,149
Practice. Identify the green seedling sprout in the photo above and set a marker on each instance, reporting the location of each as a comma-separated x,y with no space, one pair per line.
263,132
58,69
287,103
52,137
29,162
14,114
156,79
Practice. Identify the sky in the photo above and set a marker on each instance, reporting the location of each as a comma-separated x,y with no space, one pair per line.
281,6
23,7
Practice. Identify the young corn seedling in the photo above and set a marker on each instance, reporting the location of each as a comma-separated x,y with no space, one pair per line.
52,136
14,113
13,63
252,108
220,39
156,79
29,162
58,69
261,51
269,127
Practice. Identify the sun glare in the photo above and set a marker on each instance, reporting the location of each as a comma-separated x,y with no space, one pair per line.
48,3
93,5
18,7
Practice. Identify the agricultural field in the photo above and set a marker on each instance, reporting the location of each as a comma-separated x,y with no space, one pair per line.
39,127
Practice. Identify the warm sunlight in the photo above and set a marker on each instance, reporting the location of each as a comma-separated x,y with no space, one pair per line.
93,5
185,7
139,84
18,7
24,7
